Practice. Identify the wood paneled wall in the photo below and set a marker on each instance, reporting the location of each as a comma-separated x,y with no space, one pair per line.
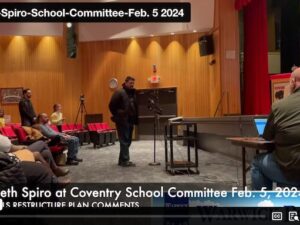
40,63
200,85
227,30
178,62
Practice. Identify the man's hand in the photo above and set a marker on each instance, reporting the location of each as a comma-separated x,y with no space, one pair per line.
66,136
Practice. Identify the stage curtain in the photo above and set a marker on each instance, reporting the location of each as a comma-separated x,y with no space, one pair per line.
256,77
239,4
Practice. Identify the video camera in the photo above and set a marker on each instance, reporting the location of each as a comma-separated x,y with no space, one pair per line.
82,98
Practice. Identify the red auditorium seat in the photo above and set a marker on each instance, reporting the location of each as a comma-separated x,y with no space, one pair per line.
66,129
14,125
9,132
57,152
72,127
54,127
106,126
79,127
80,133
96,137
112,132
85,132
106,133
22,136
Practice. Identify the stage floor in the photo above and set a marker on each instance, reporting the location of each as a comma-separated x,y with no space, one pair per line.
100,166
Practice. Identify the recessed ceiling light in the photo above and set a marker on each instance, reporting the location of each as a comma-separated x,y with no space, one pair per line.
69,25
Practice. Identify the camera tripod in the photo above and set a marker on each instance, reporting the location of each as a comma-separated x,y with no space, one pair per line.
81,110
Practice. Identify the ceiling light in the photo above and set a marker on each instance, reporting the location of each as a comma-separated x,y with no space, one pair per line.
172,33
69,25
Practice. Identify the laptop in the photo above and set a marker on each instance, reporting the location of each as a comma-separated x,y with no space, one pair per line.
260,124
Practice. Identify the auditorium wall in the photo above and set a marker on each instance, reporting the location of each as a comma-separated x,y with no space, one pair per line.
178,64
200,86
40,63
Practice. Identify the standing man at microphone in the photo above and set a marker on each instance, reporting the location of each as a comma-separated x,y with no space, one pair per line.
123,107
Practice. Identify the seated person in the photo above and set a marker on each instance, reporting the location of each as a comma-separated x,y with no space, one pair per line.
34,134
13,171
283,164
2,120
56,117
72,141
40,152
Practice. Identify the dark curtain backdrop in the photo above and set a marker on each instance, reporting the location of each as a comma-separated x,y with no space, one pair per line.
290,34
239,4
256,78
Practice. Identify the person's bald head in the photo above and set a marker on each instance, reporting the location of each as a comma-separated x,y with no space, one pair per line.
43,118
295,80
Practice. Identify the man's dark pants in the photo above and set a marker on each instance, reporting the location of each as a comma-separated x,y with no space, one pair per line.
124,130
37,173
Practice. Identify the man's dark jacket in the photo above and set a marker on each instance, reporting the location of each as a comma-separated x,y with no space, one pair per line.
123,106
27,112
11,172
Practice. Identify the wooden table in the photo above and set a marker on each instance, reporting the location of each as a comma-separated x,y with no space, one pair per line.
253,143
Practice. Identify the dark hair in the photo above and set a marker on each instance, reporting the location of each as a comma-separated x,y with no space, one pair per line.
25,90
129,78
54,106
38,118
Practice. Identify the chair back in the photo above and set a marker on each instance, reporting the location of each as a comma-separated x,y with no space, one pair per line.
91,127
54,127
8,132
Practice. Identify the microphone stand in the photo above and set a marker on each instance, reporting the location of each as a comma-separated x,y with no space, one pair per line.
156,117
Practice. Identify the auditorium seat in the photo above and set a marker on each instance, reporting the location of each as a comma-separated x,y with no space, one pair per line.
96,137
76,132
66,129
22,136
9,132
106,133
85,133
112,132
14,125
72,127
79,126
54,127
58,154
